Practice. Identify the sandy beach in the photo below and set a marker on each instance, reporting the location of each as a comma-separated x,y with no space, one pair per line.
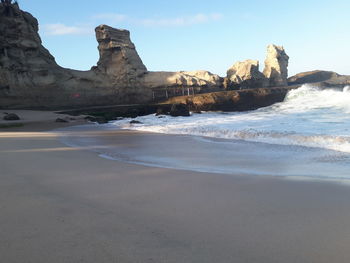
64,204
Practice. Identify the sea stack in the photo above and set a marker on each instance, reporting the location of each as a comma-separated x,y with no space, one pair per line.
246,74
118,55
276,66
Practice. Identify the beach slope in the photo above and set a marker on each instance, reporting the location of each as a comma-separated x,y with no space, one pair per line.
62,204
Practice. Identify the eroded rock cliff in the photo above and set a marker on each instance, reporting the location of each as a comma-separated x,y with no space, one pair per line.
276,66
30,77
246,74
118,56
234,100
159,79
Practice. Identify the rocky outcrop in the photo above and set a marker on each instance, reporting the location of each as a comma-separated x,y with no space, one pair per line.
311,77
320,78
179,109
24,62
170,84
118,56
30,76
276,66
246,74
182,78
235,100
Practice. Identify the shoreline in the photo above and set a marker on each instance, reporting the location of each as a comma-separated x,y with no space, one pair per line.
61,204
172,151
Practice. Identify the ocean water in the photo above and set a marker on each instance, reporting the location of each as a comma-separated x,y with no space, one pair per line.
305,136
308,116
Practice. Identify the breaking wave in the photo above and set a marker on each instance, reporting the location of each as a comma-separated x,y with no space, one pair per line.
308,116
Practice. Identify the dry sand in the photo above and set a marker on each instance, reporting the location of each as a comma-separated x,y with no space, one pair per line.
60,204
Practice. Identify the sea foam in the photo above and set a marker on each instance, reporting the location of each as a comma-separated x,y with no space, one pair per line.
308,116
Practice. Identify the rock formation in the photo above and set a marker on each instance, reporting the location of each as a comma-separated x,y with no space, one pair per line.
276,66
24,62
31,78
246,74
182,78
320,78
233,100
118,56
179,109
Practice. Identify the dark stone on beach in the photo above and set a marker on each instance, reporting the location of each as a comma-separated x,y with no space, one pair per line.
11,117
135,122
60,120
179,109
97,119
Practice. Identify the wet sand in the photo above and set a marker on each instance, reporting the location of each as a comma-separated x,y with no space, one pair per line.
205,154
62,204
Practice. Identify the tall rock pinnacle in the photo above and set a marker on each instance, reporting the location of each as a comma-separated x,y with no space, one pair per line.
118,56
276,66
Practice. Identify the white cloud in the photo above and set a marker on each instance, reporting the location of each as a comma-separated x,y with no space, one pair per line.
62,29
180,21
175,21
110,18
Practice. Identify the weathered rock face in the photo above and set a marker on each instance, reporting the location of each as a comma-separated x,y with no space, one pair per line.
234,100
30,77
246,74
23,60
170,84
118,56
182,78
276,66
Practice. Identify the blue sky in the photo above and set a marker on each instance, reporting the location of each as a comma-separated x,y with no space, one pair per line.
193,35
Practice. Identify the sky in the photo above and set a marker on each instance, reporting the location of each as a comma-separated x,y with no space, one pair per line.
200,34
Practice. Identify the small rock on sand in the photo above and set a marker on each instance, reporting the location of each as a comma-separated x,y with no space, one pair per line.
11,117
